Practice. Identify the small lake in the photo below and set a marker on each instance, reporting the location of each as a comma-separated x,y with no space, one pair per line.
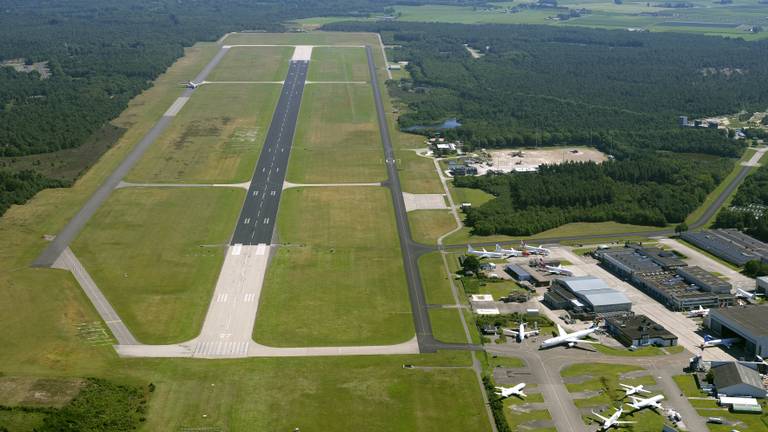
448,124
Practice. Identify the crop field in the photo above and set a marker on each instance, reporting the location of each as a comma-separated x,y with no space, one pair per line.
253,64
216,138
338,64
339,145
156,254
338,278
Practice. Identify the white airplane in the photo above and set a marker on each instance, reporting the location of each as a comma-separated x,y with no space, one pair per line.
700,312
509,252
569,339
710,342
558,270
520,333
651,402
517,390
191,84
631,390
745,294
483,253
613,420
534,250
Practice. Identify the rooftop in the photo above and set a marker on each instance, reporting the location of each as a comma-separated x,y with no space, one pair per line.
638,326
735,373
752,318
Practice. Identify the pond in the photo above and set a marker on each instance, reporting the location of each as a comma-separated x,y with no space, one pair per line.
448,124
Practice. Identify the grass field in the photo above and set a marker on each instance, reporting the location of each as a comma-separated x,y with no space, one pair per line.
417,174
253,64
339,280
338,64
307,38
216,138
339,145
428,225
434,280
446,325
156,255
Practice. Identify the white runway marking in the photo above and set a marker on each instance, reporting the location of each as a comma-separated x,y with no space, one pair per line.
222,298
302,53
238,247
261,249
176,107
249,297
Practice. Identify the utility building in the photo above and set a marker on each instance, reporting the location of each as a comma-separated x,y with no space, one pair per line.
735,379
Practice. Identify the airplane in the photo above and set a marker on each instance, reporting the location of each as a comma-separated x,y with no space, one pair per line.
651,402
534,250
631,390
191,85
569,339
558,270
710,342
745,294
517,390
509,252
483,253
520,333
613,420
700,312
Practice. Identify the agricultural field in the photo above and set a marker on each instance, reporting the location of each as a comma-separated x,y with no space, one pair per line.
338,278
216,138
156,255
339,145
253,64
338,64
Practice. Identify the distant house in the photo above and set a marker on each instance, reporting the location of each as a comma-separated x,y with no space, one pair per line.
735,379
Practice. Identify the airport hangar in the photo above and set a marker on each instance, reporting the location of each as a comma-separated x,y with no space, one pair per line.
749,323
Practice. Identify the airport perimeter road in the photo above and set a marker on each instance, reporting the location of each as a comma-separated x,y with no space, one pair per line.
409,249
259,213
76,224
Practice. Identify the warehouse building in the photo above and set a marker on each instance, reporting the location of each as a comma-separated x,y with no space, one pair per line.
518,273
639,330
586,296
749,323
730,244
736,380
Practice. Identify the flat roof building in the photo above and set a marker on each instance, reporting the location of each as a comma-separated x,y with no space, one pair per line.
730,244
639,330
586,293
517,272
749,323
735,379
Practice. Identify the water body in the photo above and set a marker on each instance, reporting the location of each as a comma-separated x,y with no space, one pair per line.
448,124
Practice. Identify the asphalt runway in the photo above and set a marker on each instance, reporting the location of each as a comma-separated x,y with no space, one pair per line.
256,224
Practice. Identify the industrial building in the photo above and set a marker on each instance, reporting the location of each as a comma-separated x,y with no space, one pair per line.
639,330
749,323
586,296
665,277
762,285
731,245
518,273
736,380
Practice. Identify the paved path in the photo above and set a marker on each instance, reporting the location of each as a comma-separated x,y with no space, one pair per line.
76,224
755,159
424,201
68,261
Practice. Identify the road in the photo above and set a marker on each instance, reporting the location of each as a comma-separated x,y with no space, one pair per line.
256,224
63,239
409,249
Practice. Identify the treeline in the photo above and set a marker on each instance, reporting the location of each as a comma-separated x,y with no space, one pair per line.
18,187
654,190
754,190
548,85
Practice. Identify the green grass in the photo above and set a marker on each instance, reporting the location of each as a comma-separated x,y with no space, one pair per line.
500,288
338,64
306,38
436,285
476,197
339,279
337,145
428,225
156,255
521,420
417,174
699,212
253,64
623,352
20,421
446,325
687,385
216,138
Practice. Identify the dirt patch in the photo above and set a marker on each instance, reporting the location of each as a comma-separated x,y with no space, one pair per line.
523,160
29,391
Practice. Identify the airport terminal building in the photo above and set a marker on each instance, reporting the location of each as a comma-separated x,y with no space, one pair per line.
749,323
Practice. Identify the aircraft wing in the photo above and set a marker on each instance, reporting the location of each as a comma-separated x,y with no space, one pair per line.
623,422
512,332
560,331
599,416
532,332
583,341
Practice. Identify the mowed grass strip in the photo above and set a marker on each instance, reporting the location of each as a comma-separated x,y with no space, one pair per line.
428,225
338,64
216,138
338,279
253,64
156,255
306,38
337,137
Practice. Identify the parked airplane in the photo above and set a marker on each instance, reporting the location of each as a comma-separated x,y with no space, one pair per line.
745,294
700,312
483,253
534,250
569,339
191,84
709,342
558,270
631,390
517,390
520,333
613,420
509,252
651,402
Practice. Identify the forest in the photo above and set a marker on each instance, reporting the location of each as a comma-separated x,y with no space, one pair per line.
103,53
754,190
644,191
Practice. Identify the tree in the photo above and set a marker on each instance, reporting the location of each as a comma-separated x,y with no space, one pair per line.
470,264
681,228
